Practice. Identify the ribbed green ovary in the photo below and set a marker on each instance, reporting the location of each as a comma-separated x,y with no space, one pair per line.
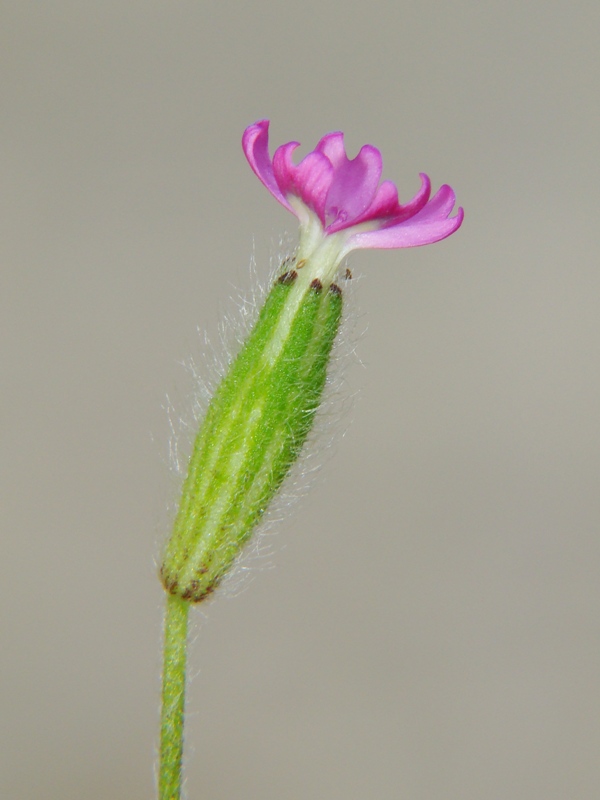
253,432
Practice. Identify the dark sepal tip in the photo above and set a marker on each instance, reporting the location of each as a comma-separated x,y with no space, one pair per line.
288,277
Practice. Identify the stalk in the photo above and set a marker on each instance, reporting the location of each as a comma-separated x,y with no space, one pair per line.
173,699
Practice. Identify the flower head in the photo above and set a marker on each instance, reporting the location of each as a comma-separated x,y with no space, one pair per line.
341,200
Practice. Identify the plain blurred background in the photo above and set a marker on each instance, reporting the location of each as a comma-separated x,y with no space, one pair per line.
427,626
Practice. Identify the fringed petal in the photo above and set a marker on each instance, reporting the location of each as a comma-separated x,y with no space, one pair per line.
430,225
353,188
255,143
309,180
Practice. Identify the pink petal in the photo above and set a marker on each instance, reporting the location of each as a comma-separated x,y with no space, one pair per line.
385,202
441,204
332,146
353,188
255,143
309,180
386,207
429,225
418,202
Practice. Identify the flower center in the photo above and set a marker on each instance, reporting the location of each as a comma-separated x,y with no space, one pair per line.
334,215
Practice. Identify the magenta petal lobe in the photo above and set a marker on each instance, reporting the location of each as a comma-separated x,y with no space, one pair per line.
353,188
412,233
332,146
441,204
255,143
309,180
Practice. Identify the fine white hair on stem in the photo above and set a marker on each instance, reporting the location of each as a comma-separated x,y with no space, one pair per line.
207,371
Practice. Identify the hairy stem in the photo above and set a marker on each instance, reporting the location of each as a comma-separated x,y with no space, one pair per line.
173,698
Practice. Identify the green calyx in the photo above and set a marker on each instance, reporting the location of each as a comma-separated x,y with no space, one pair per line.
253,432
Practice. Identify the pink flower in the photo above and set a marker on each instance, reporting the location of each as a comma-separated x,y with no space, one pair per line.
342,199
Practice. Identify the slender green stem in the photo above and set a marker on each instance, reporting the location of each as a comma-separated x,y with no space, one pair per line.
173,698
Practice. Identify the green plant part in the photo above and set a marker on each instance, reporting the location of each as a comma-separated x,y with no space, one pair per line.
253,431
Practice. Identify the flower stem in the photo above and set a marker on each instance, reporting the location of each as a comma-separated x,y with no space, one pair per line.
173,698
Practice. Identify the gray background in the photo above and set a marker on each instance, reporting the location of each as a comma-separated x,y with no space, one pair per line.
429,630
